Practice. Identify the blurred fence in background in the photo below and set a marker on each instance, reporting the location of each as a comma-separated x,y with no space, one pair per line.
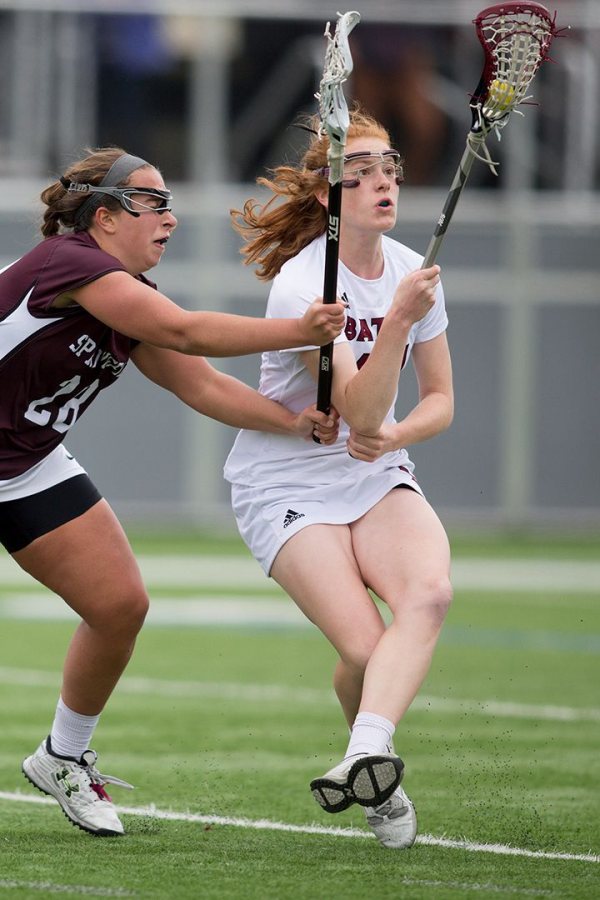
208,91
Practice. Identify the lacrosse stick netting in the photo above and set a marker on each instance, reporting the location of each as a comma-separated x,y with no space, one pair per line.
335,120
516,38
333,109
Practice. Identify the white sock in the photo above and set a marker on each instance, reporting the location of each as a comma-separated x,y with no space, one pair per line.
71,732
370,734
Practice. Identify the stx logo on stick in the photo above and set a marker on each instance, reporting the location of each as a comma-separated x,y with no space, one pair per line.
334,228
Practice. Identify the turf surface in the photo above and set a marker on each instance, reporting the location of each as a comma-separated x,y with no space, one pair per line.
231,723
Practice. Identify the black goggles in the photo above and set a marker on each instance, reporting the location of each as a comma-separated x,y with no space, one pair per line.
389,161
127,197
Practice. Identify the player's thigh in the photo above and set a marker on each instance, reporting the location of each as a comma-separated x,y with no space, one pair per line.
401,544
318,569
88,561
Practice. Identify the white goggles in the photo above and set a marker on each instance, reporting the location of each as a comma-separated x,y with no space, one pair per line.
388,161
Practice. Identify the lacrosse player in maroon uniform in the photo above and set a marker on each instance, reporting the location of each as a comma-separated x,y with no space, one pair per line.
72,312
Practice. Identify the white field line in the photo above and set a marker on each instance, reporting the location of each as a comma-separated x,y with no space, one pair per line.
263,614
233,572
224,611
474,887
277,693
428,840
48,887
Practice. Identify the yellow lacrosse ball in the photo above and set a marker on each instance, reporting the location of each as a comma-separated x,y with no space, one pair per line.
501,94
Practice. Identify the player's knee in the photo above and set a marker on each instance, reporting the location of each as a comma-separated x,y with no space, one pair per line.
134,607
124,615
439,595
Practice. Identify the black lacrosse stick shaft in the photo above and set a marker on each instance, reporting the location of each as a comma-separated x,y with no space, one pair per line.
456,189
334,208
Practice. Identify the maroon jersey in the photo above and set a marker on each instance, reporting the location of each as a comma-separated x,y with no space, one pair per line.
53,362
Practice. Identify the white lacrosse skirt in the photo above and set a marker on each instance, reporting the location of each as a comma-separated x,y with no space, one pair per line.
267,517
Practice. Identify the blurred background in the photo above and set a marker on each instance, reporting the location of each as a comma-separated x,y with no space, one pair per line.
208,91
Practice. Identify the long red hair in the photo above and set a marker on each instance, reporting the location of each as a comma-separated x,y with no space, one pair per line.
273,231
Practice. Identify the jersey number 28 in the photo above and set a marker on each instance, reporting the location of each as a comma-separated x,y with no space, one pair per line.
66,415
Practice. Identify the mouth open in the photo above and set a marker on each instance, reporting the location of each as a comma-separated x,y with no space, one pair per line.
162,241
384,204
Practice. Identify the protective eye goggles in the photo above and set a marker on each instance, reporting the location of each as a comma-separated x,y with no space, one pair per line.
127,197
388,160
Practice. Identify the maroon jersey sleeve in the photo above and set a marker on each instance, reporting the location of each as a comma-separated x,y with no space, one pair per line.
71,261
53,362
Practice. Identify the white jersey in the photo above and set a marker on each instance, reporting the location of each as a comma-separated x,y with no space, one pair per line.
266,460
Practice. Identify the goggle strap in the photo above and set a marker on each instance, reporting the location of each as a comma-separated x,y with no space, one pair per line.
121,169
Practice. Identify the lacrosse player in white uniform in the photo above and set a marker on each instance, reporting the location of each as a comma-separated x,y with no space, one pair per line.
328,523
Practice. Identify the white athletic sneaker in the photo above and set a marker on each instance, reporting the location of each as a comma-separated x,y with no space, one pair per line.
78,787
394,822
366,779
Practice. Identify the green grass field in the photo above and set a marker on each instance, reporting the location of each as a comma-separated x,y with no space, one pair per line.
221,724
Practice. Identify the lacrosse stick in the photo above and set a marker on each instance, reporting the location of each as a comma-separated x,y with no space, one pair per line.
333,112
516,38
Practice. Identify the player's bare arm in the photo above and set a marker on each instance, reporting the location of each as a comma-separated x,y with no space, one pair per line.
138,311
210,392
432,415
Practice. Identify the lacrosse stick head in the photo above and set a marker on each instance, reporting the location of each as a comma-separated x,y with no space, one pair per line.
516,38
333,109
